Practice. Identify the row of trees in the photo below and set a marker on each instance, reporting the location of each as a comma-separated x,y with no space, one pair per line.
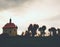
32,30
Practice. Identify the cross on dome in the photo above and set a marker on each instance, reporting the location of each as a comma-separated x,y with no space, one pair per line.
10,20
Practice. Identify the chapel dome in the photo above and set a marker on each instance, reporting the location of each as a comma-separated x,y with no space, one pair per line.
10,25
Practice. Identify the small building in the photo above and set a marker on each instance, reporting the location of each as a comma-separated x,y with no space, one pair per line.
10,29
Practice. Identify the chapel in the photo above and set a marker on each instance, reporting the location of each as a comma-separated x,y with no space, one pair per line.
10,28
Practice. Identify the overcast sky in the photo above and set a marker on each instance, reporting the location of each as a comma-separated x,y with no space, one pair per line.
24,12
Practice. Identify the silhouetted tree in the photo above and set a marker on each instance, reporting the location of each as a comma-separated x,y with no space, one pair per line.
53,29
30,28
42,30
58,31
49,31
27,34
22,34
35,27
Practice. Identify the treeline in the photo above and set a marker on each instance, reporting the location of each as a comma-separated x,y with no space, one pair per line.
32,31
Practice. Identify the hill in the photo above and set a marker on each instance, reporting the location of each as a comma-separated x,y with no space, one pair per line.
18,41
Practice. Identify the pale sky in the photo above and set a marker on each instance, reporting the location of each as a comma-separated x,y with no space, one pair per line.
24,12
